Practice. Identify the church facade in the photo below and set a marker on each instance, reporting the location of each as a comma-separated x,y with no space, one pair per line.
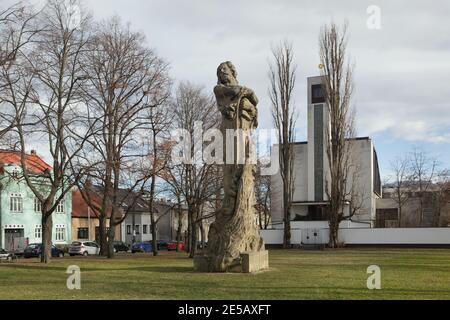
311,172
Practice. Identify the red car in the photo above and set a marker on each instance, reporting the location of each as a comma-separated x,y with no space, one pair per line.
173,246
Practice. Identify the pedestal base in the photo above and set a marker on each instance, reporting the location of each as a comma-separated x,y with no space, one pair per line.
250,262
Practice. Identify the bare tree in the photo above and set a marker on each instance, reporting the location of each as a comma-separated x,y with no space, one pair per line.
282,82
262,194
401,179
443,193
423,168
195,182
159,157
50,91
17,29
125,80
338,88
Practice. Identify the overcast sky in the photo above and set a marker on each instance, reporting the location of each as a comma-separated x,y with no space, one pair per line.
402,71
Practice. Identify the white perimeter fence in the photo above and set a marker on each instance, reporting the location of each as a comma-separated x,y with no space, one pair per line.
362,236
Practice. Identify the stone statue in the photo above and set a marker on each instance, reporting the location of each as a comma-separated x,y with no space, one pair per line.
234,238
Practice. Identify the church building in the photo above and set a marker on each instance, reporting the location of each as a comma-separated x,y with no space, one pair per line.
311,173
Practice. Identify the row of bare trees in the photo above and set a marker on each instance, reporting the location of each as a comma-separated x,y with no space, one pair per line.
416,172
100,99
337,87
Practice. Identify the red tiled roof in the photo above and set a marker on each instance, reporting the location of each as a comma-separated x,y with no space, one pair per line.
33,162
80,208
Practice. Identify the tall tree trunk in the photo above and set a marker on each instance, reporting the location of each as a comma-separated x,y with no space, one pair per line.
189,232
111,235
203,235
180,225
103,237
194,240
47,226
287,214
334,234
154,234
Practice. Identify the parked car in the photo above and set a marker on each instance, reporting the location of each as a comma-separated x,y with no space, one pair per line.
8,256
145,246
162,244
84,248
120,246
173,246
34,250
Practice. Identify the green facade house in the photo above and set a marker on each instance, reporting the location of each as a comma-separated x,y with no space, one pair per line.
20,210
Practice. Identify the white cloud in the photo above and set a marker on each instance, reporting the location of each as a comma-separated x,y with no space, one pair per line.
402,71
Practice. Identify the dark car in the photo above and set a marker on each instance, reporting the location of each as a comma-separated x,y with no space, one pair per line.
34,250
145,246
162,244
120,246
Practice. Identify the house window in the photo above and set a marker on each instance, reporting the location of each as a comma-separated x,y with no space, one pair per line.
60,234
16,203
38,232
83,233
15,174
128,229
137,228
144,229
37,205
60,206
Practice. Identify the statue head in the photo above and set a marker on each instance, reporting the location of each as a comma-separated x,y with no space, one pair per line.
226,74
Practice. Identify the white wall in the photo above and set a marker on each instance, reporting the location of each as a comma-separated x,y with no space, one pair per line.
300,182
276,237
412,236
320,225
366,236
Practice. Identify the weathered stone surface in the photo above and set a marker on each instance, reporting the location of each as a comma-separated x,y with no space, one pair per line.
249,262
255,261
234,231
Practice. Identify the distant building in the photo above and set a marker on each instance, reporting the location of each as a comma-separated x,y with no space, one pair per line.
85,222
136,226
20,210
426,209
311,171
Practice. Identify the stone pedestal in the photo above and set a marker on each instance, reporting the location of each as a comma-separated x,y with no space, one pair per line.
255,261
249,262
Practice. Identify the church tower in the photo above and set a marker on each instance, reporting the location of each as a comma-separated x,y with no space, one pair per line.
318,121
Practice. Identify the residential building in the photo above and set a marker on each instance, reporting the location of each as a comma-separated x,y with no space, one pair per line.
85,222
20,210
137,224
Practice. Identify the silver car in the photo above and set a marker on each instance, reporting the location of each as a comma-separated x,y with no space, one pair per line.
8,256
84,248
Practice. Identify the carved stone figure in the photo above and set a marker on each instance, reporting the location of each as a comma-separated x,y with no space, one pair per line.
234,235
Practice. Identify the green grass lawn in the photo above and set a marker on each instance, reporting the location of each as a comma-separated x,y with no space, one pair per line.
294,274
